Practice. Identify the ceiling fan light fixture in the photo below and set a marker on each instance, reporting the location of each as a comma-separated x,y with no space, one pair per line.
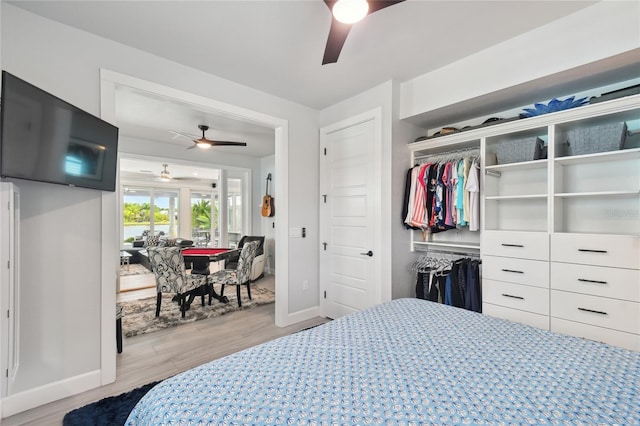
350,11
165,176
203,145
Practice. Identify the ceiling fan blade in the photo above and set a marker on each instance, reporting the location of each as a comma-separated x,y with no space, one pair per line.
337,36
191,147
338,32
227,143
374,6
180,134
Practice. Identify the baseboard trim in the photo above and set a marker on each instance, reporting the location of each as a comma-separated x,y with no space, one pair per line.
32,398
303,315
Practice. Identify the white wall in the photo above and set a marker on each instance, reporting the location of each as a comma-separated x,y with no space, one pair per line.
403,133
67,63
608,29
267,225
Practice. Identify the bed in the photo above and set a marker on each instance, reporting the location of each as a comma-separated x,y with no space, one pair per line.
408,361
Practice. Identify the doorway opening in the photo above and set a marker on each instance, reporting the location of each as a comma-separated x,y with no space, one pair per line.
110,83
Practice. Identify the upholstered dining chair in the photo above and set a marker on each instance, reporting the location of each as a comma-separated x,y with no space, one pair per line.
168,267
257,268
239,276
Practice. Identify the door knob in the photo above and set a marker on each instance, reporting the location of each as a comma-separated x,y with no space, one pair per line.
369,253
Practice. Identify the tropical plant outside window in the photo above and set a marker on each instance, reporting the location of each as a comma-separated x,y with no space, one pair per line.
149,211
202,221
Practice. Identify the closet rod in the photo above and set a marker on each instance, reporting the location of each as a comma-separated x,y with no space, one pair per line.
425,253
475,151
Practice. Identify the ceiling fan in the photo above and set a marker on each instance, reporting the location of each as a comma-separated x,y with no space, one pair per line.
339,30
205,143
165,176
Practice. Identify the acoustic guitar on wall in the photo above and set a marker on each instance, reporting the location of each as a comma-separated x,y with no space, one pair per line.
267,201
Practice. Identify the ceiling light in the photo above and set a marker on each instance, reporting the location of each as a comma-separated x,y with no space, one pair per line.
203,145
164,174
350,11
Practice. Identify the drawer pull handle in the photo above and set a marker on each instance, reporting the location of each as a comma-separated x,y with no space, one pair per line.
591,281
512,245
592,251
513,297
512,270
591,310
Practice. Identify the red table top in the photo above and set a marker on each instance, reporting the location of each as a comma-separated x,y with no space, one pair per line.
203,251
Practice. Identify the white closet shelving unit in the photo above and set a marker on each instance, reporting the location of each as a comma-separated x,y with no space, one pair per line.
560,237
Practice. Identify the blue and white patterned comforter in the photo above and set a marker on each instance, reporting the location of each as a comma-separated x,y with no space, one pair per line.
407,362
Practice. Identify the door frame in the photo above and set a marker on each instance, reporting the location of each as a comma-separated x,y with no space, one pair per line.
374,115
109,81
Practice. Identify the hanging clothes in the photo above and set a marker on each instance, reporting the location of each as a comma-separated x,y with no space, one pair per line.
454,282
473,186
443,195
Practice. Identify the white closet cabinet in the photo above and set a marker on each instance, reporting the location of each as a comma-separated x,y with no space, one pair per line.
560,235
515,241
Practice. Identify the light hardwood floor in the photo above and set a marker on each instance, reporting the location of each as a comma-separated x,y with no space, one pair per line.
158,355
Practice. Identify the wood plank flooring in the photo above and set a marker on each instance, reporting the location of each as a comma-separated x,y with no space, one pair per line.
164,353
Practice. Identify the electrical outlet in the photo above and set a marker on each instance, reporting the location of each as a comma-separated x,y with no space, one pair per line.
305,284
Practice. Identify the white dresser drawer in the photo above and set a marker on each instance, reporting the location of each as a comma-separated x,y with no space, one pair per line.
534,320
620,251
516,296
519,271
523,245
599,311
616,283
599,334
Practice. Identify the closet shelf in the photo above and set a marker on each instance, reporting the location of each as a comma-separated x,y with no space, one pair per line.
623,154
596,194
516,197
468,246
525,165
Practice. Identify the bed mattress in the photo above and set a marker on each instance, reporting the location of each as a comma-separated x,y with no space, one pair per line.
408,361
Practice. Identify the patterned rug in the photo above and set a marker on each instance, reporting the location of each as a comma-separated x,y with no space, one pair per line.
140,315
133,269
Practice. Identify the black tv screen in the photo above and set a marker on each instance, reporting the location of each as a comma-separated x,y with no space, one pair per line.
46,139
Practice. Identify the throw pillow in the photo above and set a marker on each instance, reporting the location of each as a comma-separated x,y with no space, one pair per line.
152,241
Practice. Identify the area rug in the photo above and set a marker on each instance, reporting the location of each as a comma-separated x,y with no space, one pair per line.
110,411
140,315
133,269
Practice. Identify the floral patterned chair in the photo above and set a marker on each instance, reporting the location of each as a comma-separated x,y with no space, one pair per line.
168,267
239,276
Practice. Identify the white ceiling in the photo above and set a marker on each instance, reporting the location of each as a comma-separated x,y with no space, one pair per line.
145,116
277,47
138,170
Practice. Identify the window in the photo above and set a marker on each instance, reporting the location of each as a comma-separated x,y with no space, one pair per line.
204,218
148,211
234,211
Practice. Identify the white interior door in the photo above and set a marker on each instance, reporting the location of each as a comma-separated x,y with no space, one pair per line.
349,265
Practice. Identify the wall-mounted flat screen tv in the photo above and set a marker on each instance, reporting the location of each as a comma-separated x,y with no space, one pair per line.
46,139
